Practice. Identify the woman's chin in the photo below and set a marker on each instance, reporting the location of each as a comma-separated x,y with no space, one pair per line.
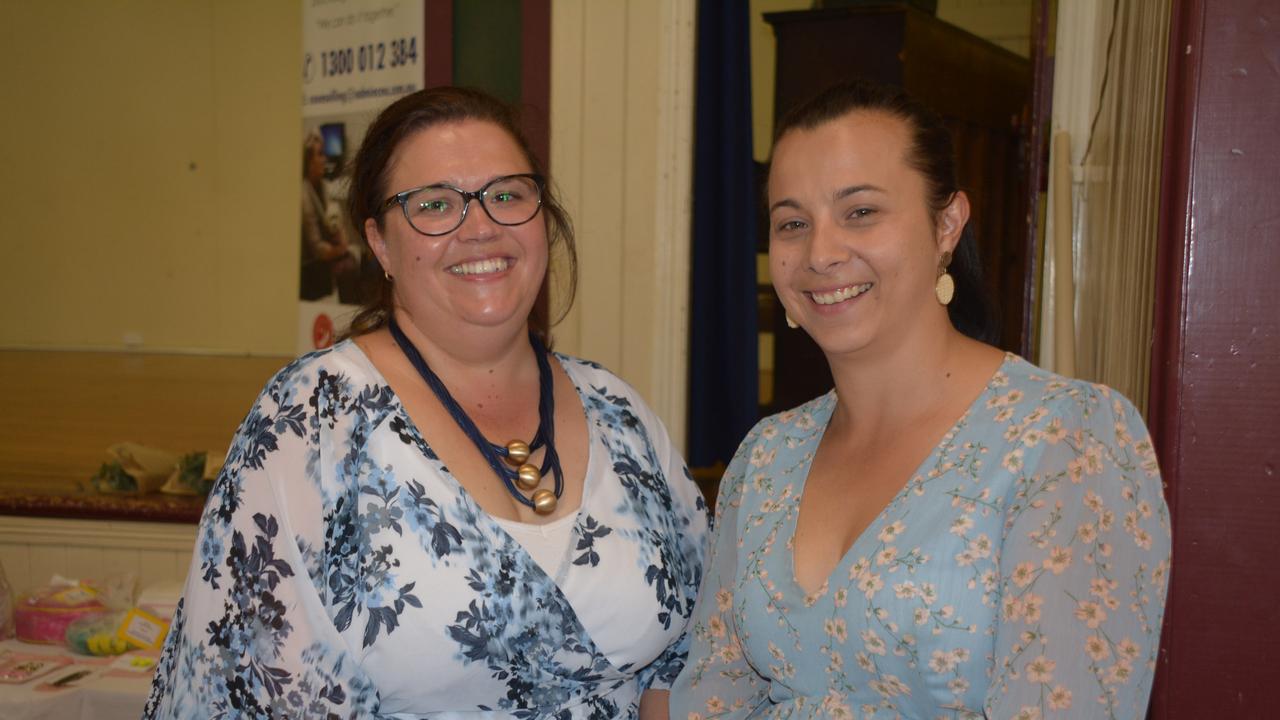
493,315
842,341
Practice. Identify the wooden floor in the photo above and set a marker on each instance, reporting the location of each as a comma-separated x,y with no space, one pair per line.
61,410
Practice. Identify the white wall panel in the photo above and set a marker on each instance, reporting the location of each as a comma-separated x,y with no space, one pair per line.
34,549
621,153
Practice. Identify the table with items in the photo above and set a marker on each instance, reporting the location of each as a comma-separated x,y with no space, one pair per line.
81,648
51,681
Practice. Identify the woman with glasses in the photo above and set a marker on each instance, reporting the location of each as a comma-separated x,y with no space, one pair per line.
438,516
951,532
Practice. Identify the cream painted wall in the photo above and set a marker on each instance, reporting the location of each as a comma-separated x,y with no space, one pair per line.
149,163
622,74
177,124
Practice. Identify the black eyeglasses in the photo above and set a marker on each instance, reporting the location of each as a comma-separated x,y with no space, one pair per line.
440,209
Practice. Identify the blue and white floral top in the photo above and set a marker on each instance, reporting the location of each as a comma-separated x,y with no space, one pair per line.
342,572
1019,573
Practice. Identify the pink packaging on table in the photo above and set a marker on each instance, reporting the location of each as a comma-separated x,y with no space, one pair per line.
43,616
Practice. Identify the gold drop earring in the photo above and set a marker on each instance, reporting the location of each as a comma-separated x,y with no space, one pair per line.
945,288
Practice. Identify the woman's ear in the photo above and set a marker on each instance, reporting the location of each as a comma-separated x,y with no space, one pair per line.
377,244
951,222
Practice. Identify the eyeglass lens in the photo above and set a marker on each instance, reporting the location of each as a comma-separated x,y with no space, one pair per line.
438,210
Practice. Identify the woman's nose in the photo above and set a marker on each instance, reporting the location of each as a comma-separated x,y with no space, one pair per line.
476,223
827,248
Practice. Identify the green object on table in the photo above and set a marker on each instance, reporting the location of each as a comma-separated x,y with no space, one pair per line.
111,478
191,473
68,679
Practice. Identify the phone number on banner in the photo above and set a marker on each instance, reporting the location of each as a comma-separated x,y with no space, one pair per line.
370,57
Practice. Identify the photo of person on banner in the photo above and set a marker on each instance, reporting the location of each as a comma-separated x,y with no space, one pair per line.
329,263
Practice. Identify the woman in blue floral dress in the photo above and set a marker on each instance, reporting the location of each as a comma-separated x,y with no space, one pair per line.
367,552
951,532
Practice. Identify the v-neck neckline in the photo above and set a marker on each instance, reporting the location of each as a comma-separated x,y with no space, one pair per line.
457,486
560,581
828,408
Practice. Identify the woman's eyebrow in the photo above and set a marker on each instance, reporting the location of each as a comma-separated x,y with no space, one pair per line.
855,189
785,203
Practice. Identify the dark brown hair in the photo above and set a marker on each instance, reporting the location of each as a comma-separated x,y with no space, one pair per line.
371,165
931,153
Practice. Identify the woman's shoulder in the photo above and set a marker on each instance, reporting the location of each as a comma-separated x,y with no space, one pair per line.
612,402
818,407
600,386
342,367
1038,405
581,368
331,397
1068,399
806,418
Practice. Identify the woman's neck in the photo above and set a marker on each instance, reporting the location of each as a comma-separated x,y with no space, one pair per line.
881,390
476,363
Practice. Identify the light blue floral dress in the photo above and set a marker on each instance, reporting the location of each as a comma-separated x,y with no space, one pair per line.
342,572
1019,573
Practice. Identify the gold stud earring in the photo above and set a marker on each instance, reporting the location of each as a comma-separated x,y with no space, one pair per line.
791,323
387,275
945,288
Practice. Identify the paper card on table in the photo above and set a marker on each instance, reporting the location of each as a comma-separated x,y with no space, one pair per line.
142,629
133,663
19,668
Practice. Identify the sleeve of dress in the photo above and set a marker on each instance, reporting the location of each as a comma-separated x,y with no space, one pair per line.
1083,564
251,637
717,681
690,522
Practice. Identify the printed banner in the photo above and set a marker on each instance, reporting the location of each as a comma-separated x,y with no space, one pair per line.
357,57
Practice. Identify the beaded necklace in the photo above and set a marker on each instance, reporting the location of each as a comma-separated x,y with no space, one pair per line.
509,462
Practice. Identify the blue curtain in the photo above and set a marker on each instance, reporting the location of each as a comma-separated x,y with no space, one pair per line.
723,367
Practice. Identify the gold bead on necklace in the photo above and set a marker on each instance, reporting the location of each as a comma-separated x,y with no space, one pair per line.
544,502
517,452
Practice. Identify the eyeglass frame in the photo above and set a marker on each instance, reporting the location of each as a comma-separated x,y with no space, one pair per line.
402,197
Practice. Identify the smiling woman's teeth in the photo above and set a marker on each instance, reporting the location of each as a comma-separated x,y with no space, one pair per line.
480,267
845,293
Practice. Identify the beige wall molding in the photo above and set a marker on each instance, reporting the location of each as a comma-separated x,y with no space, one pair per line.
97,533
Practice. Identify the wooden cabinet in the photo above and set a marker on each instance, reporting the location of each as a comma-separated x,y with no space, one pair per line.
982,90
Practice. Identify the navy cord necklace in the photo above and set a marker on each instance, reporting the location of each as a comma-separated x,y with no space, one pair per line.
509,462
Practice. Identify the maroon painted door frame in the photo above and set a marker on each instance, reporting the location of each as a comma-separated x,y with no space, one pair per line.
535,81
535,63
1215,380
